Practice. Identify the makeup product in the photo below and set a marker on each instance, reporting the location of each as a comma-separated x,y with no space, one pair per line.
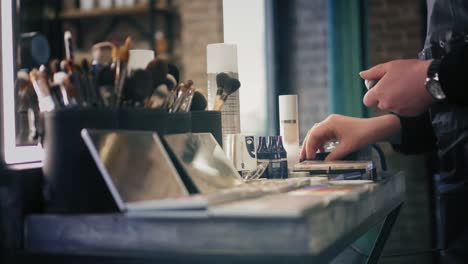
88,84
184,95
231,85
61,79
170,82
283,155
158,69
289,127
34,50
139,59
263,152
222,58
186,101
174,71
158,97
67,36
370,83
220,79
102,55
27,109
138,88
121,57
76,84
41,87
172,97
199,102
105,86
274,168
240,149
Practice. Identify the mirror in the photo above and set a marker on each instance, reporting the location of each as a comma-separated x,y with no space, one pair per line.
33,33
28,150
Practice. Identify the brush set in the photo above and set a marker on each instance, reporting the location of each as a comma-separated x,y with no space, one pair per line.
109,82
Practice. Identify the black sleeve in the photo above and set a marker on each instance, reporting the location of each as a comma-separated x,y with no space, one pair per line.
417,135
453,75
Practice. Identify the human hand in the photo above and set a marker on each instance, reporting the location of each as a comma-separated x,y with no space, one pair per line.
401,87
351,133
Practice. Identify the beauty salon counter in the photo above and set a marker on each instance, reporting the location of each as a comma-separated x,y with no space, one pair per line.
310,225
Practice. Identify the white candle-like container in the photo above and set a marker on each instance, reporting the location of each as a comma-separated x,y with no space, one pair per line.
139,59
289,127
222,57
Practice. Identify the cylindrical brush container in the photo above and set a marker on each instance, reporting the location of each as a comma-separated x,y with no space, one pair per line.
289,127
222,57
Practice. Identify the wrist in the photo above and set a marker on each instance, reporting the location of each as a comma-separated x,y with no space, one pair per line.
385,127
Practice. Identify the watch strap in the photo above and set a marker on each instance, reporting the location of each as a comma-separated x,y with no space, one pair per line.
434,67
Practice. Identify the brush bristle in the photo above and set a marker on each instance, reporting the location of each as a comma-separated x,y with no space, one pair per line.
231,85
158,69
199,102
174,71
221,79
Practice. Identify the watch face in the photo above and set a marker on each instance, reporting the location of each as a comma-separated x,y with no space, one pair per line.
435,90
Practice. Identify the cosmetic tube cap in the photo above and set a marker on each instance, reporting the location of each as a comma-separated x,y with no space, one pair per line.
221,57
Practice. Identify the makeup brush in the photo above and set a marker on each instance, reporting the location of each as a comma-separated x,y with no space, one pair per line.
231,85
67,37
121,59
41,87
158,97
158,69
90,90
172,97
138,88
170,82
220,79
183,98
105,80
174,71
199,102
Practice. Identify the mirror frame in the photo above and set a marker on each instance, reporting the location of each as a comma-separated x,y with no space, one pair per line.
11,153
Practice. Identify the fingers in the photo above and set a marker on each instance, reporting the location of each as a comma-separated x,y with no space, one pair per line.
315,140
371,98
340,151
374,73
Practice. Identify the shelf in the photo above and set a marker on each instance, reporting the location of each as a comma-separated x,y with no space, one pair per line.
110,12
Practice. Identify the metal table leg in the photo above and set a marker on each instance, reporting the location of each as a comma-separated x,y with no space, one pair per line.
384,233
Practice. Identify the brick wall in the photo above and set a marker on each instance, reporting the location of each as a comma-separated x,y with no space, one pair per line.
302,56
395,29
201,24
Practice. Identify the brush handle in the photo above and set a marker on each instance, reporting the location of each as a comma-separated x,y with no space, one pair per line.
219,103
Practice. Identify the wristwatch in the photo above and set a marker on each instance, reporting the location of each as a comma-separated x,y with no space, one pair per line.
433,86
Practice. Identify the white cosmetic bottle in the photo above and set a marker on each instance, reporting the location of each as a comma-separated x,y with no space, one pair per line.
222,57
289,127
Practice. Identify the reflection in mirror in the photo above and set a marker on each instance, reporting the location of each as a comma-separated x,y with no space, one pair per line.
82,43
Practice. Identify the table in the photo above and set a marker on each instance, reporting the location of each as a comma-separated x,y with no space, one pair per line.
311,225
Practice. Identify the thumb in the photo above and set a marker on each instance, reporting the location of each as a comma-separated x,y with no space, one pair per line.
340,151
370,98
374,73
